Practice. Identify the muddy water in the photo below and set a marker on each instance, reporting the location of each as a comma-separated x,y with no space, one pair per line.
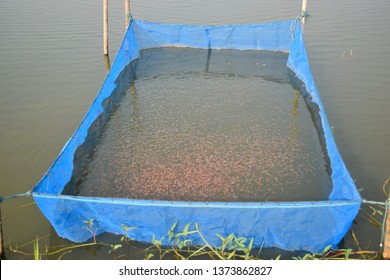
201,126
51,68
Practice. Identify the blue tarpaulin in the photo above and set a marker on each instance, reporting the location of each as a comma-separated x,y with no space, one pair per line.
309,225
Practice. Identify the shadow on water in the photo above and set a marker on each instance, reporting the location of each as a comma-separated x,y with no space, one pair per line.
86,151
313,109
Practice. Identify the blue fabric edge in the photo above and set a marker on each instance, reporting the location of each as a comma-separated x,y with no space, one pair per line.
336,197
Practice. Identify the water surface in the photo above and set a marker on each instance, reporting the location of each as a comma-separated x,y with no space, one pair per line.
51,68
198,125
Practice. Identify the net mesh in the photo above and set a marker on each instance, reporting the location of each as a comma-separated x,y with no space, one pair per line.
306,225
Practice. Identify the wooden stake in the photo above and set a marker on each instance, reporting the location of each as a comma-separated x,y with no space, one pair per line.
105,27
386,249
304,8
2,253
127,13
108,63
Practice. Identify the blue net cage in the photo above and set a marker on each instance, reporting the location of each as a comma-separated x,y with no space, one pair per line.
306,225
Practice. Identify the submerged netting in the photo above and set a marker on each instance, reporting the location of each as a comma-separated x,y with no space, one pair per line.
203,151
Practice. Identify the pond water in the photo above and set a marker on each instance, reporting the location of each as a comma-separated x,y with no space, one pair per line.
51,68
223,125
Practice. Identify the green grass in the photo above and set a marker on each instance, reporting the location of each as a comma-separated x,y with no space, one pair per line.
232,247
121,247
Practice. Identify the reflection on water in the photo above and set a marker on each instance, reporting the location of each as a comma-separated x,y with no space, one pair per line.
294,115
108,63
224,133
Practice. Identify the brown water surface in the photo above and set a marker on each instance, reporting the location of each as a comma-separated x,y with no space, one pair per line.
51,68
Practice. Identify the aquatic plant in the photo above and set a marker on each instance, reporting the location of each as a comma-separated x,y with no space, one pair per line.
90,227
232,248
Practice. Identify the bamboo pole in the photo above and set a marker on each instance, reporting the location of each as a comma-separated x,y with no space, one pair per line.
304,8
127,13
108,63
105,27
2,253
386,249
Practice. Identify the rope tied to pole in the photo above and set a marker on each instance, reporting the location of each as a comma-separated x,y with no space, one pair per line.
128,16
28,193
304,15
